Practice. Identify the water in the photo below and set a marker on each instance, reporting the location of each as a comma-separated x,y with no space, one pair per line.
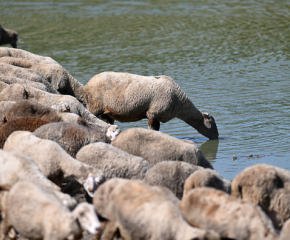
230,57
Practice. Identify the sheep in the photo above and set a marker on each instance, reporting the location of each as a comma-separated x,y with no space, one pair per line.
207,178
156,146
285,232
209,208
28,77
71,137
39,214
19,53
2,85
59,78
113,161
8,36
268,187
5,105
27,124
139,211
129,97
53,161
170,174
26,108
17,92
16,167
45,86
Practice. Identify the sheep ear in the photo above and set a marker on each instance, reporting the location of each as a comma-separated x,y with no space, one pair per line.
206,120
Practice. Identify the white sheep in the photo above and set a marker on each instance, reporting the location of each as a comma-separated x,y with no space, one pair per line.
16,167
19,53
267,186
171,174
113,161
233,218
207,178
53,161
39,214
59,78
17,92
129,97
156,146
28,76
139,211
44,86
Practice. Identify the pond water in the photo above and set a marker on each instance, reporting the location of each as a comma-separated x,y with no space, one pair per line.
230,57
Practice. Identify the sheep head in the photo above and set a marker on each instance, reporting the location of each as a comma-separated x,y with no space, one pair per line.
113,131
207,127
93,182
89,218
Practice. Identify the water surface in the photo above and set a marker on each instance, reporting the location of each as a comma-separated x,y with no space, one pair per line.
230,57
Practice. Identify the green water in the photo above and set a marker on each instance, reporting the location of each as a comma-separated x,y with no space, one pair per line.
230,57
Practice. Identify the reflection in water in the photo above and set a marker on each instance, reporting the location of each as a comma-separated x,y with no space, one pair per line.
210,149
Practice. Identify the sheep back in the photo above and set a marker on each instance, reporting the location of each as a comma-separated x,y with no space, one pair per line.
131,97
170,174
24,124
156,146
71,137
113,161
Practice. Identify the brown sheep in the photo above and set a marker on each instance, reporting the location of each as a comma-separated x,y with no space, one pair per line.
25,124
233,218
268,187
8,36
156,146
142,212
17,92
28,108
129,97
71,137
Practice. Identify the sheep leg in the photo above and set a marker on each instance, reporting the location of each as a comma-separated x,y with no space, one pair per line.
153,124
110,231
5,227
106,118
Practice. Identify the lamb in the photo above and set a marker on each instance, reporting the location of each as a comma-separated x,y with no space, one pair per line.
17,92
5,105
129,97
39,214
53,161
113,161
26,108
233,218
27,124
19,53
71,137
59,78
207,178
45,86
285,233
16,167
156,146
8,36
146,212
14,73
170,174
268,187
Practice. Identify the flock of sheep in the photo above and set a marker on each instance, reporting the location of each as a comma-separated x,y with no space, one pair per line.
137,184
